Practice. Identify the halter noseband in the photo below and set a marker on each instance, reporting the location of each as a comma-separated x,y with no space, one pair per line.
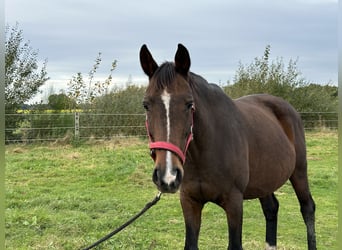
170,146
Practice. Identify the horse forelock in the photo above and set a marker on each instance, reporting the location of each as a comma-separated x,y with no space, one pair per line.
163,77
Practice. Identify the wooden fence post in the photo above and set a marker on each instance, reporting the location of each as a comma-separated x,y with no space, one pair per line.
320,122
77,125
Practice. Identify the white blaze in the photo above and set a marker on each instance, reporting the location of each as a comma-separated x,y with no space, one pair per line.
166,98
169,177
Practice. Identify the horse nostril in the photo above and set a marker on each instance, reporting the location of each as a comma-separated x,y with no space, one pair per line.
179,176
156,176
153,154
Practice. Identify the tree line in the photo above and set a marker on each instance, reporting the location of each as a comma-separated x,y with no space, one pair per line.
286,81
24,77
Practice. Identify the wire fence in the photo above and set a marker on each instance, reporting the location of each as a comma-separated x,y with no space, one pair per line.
320,120
37,127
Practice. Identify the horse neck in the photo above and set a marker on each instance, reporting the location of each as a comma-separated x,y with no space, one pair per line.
213,108
210,98
210,105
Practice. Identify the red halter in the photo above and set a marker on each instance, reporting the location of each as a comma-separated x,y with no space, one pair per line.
170,146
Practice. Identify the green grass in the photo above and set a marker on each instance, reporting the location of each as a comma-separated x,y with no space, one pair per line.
64,197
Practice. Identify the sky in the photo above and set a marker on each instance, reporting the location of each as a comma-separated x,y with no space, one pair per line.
219,35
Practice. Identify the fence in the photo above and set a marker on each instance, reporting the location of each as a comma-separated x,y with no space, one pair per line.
80,126
320,120
84,126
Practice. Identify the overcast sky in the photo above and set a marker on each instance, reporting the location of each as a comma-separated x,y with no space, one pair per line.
218,34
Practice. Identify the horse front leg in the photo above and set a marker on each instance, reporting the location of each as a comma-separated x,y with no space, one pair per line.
233,206
192,211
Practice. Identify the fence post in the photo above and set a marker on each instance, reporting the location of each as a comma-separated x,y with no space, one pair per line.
77,125
320,122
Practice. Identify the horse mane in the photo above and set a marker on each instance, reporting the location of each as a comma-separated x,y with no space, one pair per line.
164,76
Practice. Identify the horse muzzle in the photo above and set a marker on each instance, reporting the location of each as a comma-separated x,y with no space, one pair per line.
168,172
167,182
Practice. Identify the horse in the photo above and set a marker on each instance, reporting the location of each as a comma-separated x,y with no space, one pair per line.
215,149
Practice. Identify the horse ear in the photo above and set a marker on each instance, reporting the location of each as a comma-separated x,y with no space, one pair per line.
182,60
147,62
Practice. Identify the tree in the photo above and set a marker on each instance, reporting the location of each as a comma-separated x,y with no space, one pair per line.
23,77
261,76
316,98
60,101
84,93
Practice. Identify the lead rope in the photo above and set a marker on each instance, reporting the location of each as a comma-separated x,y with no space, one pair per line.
147,206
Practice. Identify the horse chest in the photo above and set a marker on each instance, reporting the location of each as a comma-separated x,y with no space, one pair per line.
206,187
199,190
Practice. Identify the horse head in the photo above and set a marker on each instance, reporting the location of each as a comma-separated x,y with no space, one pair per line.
169,106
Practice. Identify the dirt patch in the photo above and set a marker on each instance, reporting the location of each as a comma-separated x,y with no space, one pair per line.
18,150
314,158
73,156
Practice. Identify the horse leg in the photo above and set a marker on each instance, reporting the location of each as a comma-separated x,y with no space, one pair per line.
270,207
234,211
192,211
299,181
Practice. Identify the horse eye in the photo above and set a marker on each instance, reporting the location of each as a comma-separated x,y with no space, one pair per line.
190,105
145,105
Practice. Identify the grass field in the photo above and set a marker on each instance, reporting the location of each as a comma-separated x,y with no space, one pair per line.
65,197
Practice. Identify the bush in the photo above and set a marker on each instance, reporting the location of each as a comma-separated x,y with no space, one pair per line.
32,126
117,113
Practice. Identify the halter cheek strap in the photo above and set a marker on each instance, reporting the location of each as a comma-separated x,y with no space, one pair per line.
170,146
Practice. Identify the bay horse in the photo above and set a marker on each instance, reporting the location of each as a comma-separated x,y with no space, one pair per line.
215,149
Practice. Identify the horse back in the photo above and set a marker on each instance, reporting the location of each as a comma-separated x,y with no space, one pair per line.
276,142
